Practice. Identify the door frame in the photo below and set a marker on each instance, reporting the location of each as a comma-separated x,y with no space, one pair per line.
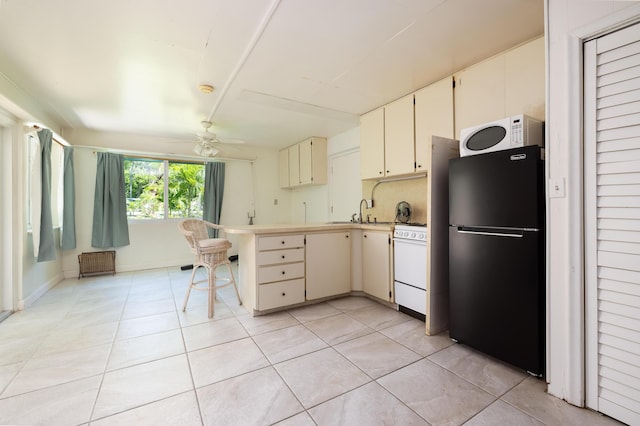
575,363
11,219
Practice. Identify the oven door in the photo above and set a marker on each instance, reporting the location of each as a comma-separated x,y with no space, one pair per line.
410,262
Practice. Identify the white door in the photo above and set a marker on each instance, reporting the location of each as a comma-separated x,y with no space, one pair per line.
612,223
345,185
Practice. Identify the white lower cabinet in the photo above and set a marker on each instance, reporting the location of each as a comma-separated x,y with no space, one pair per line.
280,271
328,266
283,293
377,264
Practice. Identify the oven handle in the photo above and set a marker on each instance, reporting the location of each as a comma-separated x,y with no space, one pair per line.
412,242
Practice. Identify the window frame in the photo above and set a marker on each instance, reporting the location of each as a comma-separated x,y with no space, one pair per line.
166,162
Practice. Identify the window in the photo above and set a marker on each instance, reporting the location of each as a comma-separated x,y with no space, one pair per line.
151,196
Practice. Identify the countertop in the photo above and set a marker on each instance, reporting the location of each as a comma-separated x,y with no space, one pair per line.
305,227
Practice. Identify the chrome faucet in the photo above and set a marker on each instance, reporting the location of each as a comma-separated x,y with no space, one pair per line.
365,202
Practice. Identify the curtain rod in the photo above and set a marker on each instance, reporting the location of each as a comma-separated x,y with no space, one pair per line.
163,156
55,137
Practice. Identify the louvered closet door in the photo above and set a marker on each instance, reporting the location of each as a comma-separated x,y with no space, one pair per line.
612,223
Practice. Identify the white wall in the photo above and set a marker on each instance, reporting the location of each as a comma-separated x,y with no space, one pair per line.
566,18
153,244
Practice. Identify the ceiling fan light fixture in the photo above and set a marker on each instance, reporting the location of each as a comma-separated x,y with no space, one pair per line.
207,89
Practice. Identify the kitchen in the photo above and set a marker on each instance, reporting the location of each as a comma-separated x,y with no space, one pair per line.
289,204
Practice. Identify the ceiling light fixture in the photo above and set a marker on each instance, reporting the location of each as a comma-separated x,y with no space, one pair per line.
206,88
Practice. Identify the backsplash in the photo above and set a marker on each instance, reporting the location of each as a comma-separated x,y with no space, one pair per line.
388,194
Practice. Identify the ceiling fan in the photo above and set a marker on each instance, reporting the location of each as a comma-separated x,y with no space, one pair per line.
208,142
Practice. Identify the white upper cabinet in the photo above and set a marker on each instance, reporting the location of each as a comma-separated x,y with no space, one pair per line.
294,165
479,94
304,163
313,161
399,138
433,117
372,144
507,84
525,81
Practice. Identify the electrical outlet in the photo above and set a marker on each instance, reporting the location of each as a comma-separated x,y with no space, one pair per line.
369,204
275,201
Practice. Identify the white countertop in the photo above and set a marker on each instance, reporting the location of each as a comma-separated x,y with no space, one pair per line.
304,227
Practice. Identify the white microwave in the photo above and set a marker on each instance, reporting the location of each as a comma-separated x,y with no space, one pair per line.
511,132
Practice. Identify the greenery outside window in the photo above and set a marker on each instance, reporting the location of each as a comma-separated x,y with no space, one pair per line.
152,196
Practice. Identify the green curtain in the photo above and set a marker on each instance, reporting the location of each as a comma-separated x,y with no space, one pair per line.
110,227
47,249
69,202
213,191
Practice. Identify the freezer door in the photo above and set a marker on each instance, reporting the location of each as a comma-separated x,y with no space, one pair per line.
496,294
503,188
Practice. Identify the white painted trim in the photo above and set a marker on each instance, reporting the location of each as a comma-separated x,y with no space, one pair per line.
574,362
590,223
73,273
575,299
41,291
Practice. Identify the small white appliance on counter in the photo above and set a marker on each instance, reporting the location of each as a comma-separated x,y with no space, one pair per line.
510,132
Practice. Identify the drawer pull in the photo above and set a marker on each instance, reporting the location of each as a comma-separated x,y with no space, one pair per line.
283,242
284,294
283,272
283,256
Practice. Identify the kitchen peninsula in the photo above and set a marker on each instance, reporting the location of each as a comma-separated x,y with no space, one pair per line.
285,265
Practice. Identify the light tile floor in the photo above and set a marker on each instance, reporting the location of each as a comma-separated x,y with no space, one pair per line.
119,351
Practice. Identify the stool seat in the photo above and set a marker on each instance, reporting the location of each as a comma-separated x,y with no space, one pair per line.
210,254
214,244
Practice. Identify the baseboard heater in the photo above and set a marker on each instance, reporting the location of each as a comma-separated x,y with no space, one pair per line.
97,263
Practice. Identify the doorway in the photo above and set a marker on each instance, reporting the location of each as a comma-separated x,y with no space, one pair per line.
612,222
345,188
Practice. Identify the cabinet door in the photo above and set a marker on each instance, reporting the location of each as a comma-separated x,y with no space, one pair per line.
313,161
524,80
328,264
294,165
479,94
284,168
399,137
372,144
376,264
434,117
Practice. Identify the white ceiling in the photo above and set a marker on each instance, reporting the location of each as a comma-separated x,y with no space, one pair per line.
283,70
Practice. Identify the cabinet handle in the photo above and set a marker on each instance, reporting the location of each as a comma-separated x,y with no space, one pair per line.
419,166
387,171
380,172
365,235
283,293
346,236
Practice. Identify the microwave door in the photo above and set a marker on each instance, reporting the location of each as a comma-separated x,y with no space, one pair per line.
485,139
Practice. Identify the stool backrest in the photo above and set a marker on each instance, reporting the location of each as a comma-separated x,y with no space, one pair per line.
195,230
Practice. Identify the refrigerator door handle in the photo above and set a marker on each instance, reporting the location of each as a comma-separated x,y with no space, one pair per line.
493,234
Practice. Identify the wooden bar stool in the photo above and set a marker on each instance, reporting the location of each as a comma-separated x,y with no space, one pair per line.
210,253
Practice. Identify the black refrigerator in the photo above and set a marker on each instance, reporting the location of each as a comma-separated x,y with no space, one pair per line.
496,255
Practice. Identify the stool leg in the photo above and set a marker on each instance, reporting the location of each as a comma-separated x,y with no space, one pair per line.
212,289
233,280
186,298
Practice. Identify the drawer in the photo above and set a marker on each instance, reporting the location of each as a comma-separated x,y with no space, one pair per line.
288,271
275,257
279,294
280,242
